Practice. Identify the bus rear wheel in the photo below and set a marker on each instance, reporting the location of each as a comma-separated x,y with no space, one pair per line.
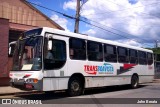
75,87
134,81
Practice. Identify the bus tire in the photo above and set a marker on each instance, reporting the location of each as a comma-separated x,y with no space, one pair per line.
134,82
75,86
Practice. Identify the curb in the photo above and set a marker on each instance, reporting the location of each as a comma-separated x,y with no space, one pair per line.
5,94
17,93
156,80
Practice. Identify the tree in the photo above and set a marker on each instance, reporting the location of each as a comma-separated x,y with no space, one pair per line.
155,50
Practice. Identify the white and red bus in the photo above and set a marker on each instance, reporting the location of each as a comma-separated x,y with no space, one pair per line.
47,59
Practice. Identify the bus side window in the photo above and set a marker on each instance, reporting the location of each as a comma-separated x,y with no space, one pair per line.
94,51
150,58
142,58
56,57
110,53
133,57
123,55
77,49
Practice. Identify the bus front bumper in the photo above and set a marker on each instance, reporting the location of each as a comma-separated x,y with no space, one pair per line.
23,85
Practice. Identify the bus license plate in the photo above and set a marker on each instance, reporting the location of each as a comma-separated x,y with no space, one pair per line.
29,86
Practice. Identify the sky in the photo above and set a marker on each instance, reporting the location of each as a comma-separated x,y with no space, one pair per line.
132,22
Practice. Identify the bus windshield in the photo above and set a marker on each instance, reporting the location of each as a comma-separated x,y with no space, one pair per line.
28,54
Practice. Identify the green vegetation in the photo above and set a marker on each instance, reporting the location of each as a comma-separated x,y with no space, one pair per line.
155,50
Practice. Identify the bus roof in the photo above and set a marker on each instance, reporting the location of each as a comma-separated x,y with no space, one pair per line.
82,36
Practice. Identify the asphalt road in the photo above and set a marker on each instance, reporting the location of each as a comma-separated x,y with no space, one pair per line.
114,96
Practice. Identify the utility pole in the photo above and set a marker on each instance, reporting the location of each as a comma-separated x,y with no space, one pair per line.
76,27
156,45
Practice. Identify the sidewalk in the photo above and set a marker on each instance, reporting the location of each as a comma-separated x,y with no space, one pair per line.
8,90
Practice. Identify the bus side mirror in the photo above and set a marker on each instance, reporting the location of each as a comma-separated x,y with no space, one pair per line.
11,48
50,45
9,52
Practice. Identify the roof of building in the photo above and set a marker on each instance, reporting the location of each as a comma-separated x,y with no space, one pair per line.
58,26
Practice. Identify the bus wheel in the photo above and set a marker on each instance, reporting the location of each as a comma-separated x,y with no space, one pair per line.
75,87
134,81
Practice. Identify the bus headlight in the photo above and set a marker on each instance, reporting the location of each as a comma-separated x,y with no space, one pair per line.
32,80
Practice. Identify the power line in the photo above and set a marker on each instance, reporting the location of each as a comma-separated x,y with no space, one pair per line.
104,29
89,14
124,20
34,15
122,9
52,10
72,18
113,2
45,8
115,29
112,32
80,20
128,16
141,14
